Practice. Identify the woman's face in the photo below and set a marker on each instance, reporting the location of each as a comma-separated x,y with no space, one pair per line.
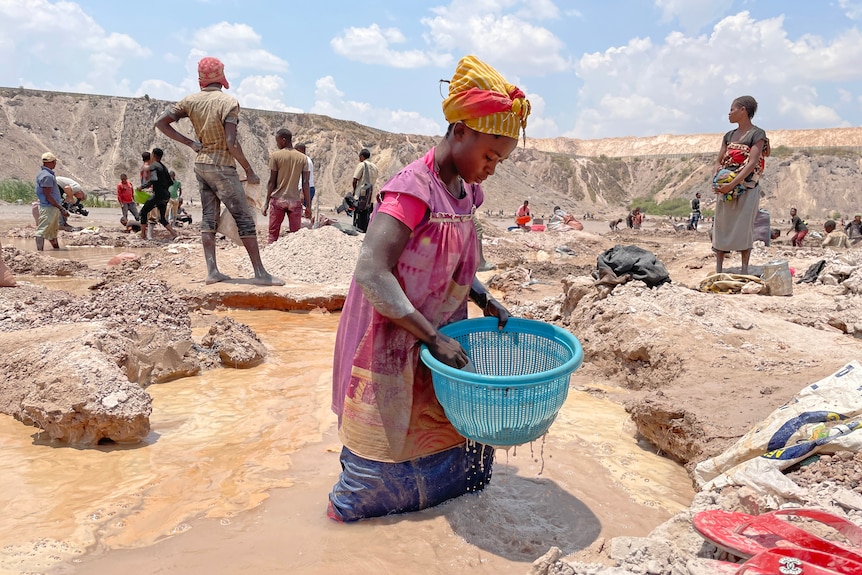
737,113
477,155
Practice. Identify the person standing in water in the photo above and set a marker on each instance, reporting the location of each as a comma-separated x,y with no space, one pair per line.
415,272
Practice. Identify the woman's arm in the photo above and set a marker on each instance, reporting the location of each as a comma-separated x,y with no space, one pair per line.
383,245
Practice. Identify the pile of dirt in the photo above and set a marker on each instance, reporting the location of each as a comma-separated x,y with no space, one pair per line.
324,255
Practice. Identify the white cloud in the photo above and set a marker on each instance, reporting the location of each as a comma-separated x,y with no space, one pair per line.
60,39
538,126
539,10
161,90
263,93
489,33
330,101
372,45
644,87
237,45
852,10
693,15
802,103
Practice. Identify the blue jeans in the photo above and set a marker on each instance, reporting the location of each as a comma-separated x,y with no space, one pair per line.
369,488
220,184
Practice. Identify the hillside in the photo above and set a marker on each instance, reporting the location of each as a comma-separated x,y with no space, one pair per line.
99,137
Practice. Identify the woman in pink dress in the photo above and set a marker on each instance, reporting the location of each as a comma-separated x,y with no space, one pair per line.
415,271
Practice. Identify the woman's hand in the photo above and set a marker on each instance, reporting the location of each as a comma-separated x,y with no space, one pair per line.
448,350
725,188
498,310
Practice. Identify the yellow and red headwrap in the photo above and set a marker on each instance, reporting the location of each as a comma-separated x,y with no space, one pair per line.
481,98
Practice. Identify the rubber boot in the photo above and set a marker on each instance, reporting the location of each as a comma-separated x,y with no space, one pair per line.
40,244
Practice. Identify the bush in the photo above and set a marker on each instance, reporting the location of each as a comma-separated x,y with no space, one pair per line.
677,207
13,190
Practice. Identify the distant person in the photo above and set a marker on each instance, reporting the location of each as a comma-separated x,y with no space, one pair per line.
799,228
634,219
71,199
183,217
364,180
523,215
160,181
741,155
562,221
50,209
214,116
287,190
176,190
301,148
145,168
130,225
126,197
853,229
695,212
834,238
614,225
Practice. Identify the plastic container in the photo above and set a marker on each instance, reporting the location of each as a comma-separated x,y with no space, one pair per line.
777,277
141,196
520,382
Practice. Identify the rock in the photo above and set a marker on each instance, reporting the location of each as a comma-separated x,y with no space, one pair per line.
237,345
848,499
121,257
542,565
74,393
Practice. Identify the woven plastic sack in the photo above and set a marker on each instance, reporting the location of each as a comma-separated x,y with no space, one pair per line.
825,417
227,225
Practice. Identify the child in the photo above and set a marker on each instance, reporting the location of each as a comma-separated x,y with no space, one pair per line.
834,238
400,452
125,195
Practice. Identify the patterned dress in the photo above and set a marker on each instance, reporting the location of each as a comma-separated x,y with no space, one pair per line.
734,219
382,392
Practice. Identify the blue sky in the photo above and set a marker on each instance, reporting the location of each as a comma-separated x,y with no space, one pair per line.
591,68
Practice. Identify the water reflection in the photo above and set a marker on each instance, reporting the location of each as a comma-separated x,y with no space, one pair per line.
95,257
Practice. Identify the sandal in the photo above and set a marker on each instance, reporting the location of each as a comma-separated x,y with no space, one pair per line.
745,536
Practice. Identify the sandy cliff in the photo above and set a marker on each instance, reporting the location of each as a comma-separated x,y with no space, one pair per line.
99,137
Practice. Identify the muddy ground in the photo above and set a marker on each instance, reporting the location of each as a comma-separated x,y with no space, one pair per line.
695,370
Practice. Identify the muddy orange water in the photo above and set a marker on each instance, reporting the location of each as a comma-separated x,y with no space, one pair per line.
234,476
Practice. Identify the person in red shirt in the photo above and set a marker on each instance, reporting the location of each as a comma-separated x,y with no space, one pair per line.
126,198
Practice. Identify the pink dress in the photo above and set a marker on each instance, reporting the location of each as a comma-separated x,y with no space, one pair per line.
381,391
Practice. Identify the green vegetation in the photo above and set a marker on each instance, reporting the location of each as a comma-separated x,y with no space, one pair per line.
94,201
13,190
838,152
676,207
781,152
